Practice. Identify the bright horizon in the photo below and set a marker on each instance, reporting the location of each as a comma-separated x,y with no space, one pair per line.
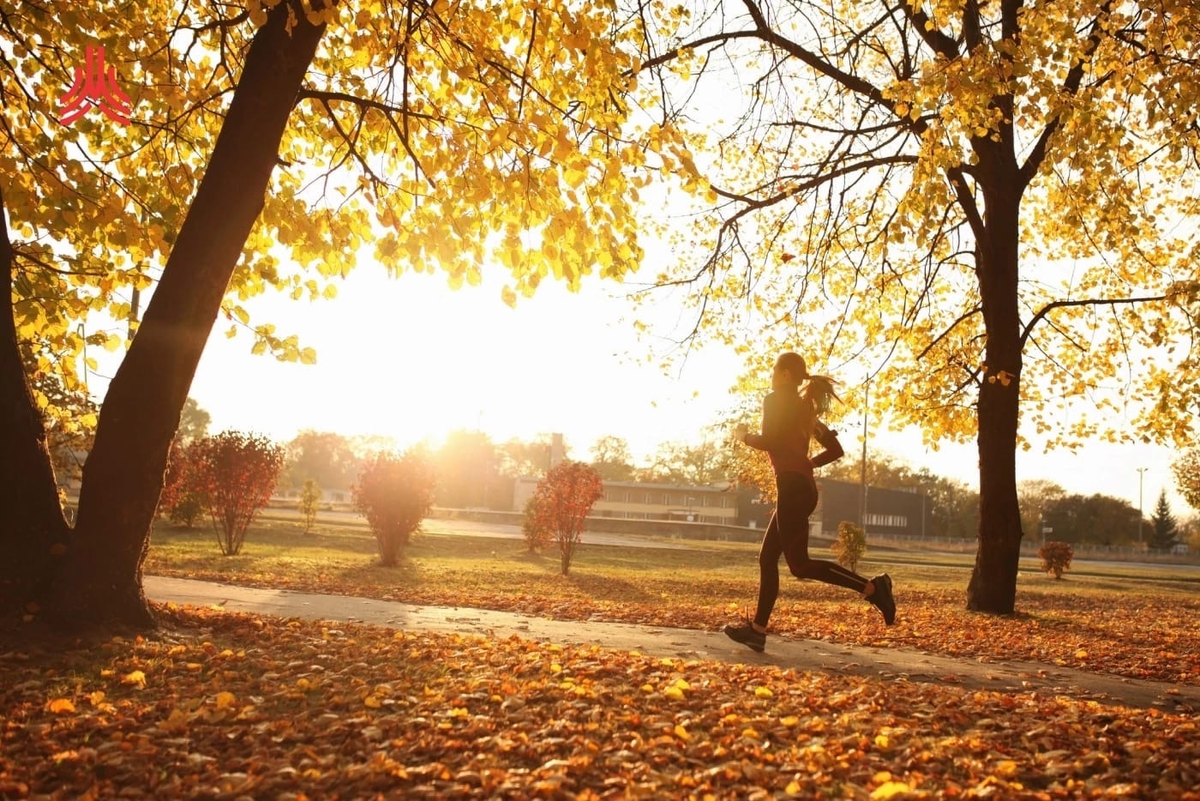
411,359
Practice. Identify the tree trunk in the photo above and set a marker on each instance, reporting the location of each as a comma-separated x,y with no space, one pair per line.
102,579
993,585
33,533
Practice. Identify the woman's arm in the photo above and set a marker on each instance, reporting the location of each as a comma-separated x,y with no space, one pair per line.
771,437
831,449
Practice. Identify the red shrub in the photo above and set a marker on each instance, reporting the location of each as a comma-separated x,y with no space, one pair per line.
561,502
236,474
395,493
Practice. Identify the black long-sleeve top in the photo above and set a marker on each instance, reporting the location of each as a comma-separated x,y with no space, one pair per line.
788,425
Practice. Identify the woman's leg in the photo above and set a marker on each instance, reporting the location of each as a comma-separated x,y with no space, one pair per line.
797,500
768,572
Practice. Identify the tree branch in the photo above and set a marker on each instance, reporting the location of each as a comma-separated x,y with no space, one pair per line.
1058,304
1070,87
974,310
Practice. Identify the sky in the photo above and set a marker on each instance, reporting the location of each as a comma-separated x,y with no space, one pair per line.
412,359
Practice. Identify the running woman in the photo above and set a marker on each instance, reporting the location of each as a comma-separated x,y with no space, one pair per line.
789,422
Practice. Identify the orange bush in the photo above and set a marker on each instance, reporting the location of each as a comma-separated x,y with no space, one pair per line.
1056,557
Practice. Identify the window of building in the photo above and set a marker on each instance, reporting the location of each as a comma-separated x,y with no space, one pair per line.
890,521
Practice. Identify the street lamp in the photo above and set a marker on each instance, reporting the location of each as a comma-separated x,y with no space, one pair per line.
1141,476
862,508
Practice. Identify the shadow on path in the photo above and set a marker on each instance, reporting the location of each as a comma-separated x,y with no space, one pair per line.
808,655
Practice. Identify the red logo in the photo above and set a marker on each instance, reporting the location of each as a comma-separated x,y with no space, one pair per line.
95,87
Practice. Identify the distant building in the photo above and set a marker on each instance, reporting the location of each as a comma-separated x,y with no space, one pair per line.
888,511
637,500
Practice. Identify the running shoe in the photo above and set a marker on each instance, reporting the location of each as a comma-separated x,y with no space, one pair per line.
747,635
882,598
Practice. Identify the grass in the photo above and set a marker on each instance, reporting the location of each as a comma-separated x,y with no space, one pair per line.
1133,620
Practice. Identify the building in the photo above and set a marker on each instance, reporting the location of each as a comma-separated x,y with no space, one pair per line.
888,511
636,500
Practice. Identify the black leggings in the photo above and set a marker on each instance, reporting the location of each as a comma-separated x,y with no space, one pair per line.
787,534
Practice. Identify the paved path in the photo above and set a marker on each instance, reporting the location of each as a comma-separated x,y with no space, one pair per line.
812,655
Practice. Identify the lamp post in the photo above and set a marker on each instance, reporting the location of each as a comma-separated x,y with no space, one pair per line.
1141,477
862,508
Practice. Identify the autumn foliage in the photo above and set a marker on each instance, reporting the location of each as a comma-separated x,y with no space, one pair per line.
180,499
1056,557
533,526
235,473
561,502
310,501
850,545
395,493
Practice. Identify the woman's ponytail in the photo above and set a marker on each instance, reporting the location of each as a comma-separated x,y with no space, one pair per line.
818,389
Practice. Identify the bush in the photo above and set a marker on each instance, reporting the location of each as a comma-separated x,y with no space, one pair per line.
533,527
395,493
1056,557
187,510
562,501
850,545
310,502
181,499
236,475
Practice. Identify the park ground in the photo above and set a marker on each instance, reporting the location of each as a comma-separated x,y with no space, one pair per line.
1090,690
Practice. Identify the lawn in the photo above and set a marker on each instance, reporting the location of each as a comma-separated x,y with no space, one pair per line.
1138,622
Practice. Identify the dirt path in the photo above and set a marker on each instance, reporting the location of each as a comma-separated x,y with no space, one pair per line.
809,655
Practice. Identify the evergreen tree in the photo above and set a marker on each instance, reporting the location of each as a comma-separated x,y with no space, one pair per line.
1164,535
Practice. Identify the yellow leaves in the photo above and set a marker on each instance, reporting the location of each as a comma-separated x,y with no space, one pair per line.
135,678
889,789
1003,376
574,177
763,692
61,706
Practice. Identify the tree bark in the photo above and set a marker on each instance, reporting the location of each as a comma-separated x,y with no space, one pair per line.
993,584
33,533
101,582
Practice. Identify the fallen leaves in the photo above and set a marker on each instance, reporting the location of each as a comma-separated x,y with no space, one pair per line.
280,708
1143,635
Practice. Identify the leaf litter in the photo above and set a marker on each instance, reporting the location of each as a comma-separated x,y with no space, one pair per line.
224,705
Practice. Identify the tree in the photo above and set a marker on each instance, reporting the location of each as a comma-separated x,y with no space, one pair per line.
611,459
323,456
395,493
1187,476
562,501
519,458
1035,496
1099,519
693,464
1165,533
850,545
978,204
193,422
468,464
309,504
235,474
449,137
953,506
